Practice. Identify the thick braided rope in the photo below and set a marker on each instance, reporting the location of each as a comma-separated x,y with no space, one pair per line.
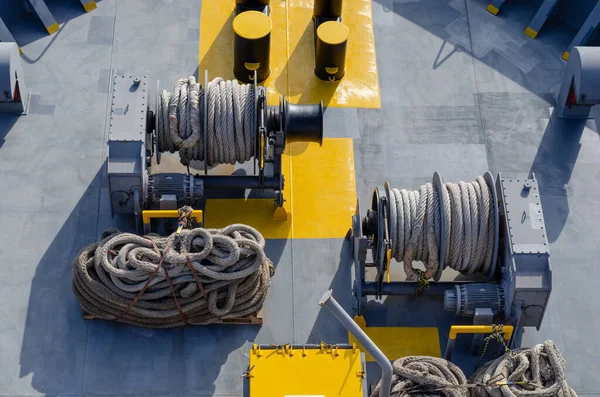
415,227
425,376
541,369
231,121
230,263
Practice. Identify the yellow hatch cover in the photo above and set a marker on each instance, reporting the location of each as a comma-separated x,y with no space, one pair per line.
323,370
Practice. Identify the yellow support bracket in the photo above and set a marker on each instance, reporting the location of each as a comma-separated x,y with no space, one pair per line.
147,215
507,330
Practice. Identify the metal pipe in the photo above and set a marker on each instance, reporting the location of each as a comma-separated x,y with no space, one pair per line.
386,367
406,288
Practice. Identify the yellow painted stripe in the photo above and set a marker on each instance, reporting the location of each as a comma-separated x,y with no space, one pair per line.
89,6
292,53
20,51
565,56
493,9
320,193
53,28
531,33
396,342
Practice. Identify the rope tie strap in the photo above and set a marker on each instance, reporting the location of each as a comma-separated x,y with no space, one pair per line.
207,275
539,371
415,228
231,121
426,376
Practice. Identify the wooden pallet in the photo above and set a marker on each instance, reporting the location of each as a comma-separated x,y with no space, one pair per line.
254,319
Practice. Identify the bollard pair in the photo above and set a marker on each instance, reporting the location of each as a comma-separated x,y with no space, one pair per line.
252,40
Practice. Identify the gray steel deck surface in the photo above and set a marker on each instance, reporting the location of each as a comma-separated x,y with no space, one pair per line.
463,92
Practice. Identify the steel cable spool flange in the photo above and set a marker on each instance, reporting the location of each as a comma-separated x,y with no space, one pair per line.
438,184
489,179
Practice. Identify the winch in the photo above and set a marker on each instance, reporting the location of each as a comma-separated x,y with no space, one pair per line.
219,122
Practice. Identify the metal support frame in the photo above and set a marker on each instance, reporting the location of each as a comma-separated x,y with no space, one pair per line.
540,18
586,31
41,10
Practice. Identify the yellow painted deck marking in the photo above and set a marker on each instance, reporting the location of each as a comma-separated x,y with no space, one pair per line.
305,373
320,191
292,53
396,342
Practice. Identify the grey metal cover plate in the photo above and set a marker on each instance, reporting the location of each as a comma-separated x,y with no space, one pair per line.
128,109
524,216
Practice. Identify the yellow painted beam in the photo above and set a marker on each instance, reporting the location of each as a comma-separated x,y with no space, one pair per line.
507,330
396,342
53,28
531,33
493,9
89,6
149,214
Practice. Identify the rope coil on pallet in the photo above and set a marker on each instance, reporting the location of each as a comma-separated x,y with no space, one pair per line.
196,276
231,121
426,376
415,227
539,371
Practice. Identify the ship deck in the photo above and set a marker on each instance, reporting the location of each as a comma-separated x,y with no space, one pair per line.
462,92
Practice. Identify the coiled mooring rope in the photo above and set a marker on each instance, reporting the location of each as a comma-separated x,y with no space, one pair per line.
231,121
197,276
415,227
426,376
536,372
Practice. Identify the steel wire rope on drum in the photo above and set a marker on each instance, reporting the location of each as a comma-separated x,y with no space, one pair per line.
231,121
426,376
415,227
539,371
231,266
